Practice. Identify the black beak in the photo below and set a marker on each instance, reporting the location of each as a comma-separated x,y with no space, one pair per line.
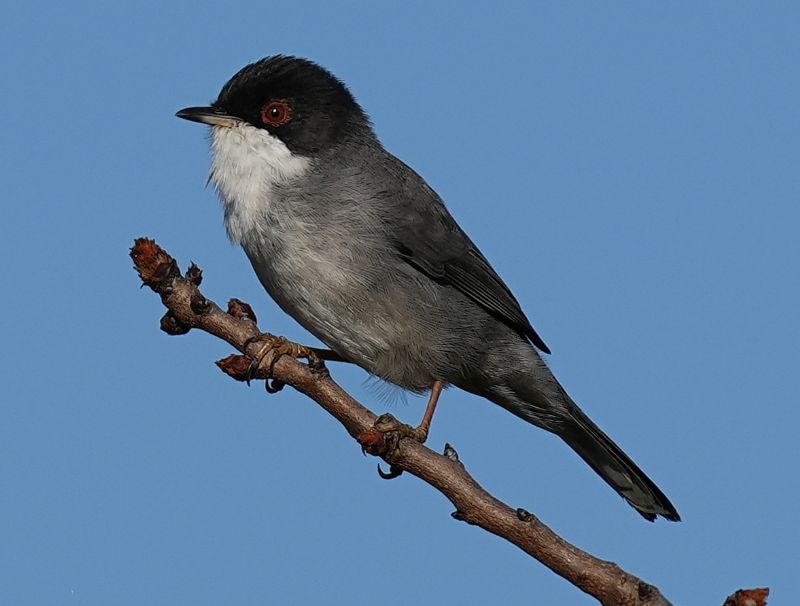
208,115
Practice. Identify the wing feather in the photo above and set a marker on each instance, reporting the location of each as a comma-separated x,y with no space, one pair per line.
433,243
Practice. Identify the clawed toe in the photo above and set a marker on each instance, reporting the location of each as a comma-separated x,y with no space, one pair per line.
387,423
386,433
271,350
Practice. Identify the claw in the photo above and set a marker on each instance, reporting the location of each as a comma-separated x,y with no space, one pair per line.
394,472
387,431
272,350
273,385
385,436
386,423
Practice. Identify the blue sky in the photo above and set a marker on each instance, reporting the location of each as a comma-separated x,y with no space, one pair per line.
631,169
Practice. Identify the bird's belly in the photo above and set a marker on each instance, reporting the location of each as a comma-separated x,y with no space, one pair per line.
359,309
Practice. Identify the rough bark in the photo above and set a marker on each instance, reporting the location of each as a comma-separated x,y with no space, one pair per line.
187,308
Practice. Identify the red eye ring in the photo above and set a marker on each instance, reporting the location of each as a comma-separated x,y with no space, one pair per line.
276,113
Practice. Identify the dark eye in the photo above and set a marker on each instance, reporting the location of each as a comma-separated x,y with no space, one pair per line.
276,113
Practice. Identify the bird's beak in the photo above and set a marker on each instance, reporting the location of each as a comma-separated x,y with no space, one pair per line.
208,115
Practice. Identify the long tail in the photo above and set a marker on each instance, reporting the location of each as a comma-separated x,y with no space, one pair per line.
614,466
544,403
514,376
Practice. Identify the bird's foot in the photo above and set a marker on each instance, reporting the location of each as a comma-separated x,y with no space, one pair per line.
271,349
386,433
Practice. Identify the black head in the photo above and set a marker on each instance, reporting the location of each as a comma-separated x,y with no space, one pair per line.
301,103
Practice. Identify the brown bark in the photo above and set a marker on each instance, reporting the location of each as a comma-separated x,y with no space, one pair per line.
187,308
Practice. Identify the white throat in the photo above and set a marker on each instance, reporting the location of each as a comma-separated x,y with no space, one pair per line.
247,164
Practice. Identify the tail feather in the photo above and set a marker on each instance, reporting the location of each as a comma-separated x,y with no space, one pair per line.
531,392
615,467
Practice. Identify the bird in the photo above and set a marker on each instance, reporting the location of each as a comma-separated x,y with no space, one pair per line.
354,245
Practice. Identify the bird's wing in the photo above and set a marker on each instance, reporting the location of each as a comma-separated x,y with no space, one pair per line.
430,240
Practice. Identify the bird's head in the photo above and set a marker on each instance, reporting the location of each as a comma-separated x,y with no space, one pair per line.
293,100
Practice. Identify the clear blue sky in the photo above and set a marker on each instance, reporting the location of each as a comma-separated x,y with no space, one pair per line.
631,169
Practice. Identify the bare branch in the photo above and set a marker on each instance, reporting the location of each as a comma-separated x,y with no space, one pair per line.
187,308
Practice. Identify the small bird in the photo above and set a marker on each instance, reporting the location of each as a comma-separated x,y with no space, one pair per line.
359,249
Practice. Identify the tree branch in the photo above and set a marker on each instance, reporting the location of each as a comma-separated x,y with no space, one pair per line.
187,308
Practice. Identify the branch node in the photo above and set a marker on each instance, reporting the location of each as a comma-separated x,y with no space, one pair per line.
194,274
317,365
379,443
748,597
199,304
523,515
241,310
645,591
155,266
450,453
372,442
461,517
172,326
235,366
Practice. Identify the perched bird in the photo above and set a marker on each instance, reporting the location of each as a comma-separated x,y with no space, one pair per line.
359,249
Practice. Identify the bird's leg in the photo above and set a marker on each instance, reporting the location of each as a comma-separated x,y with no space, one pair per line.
327,355
433,400
374,442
